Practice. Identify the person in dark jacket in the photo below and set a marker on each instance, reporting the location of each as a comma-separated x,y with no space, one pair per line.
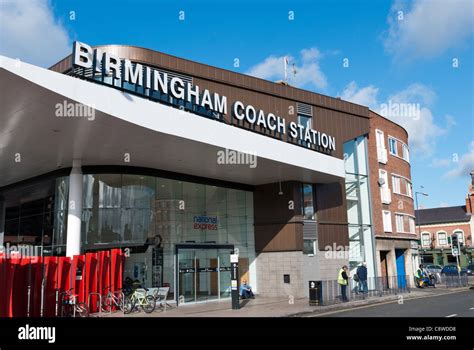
342,280
362,274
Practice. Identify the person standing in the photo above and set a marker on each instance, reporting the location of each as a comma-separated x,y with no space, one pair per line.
342,280
362,274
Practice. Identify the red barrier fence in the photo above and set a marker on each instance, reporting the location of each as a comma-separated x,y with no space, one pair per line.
21,281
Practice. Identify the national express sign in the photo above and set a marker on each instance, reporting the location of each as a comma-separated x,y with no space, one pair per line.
104,64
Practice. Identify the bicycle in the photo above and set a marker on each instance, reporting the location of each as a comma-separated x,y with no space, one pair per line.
139,298
69,307
112,299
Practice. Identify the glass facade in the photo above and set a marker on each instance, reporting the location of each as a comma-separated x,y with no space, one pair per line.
358,204
158,96
35,216
176,233
308,202
129,210
151,215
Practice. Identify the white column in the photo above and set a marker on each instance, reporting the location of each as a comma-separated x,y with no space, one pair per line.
73,242
2,220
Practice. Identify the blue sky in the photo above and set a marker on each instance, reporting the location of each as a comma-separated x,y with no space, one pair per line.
398,51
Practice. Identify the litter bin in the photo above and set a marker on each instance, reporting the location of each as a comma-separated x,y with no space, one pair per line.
315,293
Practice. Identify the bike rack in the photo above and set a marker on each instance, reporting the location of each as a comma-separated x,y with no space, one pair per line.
111,306
123,302
100,301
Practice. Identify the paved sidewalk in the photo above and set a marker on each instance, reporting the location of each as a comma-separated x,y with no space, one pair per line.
277,307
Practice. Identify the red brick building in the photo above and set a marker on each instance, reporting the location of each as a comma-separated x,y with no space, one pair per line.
391,198
435,227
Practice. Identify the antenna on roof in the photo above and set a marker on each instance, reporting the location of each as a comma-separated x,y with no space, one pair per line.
285,63
294,70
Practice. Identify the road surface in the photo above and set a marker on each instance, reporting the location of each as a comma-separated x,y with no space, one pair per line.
459,304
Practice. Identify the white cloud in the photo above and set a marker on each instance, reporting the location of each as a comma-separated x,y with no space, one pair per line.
409,108
366,96
464,165
271,67
415,93
29,31
441,162
428,27
420,123
308,70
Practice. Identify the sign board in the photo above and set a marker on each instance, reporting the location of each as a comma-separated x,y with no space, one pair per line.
234,285
153,81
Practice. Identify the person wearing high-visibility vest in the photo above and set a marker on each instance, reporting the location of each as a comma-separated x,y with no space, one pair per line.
342,280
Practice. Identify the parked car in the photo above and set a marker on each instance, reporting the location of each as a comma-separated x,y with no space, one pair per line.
452,270
434,270
470,269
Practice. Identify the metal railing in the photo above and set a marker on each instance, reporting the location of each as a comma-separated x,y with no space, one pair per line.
374,287
455,281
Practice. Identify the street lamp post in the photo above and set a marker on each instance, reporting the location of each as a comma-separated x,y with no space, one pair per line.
418,223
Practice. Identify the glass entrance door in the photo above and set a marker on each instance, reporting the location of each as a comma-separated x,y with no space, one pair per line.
206,275
187,278
224,273
203,274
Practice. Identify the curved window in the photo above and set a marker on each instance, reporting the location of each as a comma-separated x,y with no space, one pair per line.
117,209
36,216
135,210
151,215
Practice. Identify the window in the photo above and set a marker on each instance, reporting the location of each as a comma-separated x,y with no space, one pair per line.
392,143
380,139
406,153
396,184
442,239
306,122
460,234
426,239
307,205
387,221
399,223
408,188
411,223
381,150
384,190
308,246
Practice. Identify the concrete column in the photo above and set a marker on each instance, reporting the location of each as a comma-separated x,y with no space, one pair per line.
73,242
2,220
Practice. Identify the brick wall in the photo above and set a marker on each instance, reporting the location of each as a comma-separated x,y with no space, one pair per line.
449,229
395,165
